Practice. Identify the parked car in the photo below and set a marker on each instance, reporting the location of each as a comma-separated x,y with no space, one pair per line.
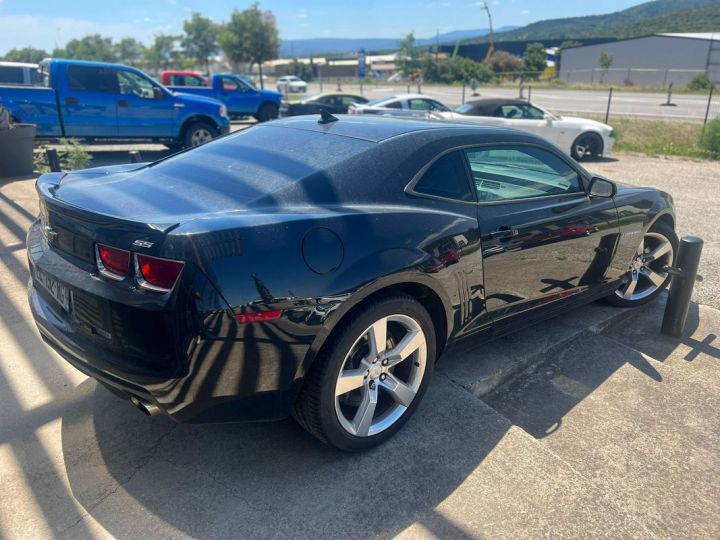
94,100
19,73
237,93
334,103
415,105
319,268
580,137
293,84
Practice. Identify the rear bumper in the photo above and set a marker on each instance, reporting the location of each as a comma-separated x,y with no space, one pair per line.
218,373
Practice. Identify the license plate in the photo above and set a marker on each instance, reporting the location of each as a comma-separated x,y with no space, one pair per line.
56,289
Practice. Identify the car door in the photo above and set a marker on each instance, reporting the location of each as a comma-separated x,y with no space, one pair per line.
543,238
526,118
144,109
238,96
88,101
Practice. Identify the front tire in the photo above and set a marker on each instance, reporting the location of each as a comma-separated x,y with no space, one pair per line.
646,278
587,146
267,112
369,379
199,133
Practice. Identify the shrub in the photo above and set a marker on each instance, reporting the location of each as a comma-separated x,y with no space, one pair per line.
710,140
504,62
700,82
455,69
72,157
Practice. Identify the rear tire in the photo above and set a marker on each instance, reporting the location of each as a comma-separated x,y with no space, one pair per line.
646,280
199,133
586,146
359,394
267,112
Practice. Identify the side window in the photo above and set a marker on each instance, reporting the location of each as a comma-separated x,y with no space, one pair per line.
193,81
92,79
11,75
447,177
133,84
520,172
393,105
532,112
349,100
437,106
420,105
509,111
229,84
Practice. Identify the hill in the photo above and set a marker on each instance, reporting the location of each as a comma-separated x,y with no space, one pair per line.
643,19
323,46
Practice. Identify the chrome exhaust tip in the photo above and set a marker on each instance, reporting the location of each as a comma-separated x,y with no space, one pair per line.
147,408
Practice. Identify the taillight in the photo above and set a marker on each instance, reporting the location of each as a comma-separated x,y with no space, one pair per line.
157,274
260,316
112,262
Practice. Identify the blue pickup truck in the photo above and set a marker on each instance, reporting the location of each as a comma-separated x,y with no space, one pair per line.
237,93
99,101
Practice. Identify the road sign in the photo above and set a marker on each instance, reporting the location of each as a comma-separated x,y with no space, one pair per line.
361,64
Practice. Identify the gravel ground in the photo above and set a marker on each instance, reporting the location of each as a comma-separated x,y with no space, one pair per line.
695,186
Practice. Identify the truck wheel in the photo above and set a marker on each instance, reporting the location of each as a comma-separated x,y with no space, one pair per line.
199,133
269,111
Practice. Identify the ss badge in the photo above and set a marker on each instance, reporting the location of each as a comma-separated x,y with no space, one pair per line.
142,244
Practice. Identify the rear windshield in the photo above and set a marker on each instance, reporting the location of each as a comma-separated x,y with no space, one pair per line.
261,160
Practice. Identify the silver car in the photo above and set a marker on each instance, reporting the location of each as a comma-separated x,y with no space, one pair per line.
414,105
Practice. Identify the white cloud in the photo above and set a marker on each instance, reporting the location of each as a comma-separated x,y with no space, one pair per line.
47,32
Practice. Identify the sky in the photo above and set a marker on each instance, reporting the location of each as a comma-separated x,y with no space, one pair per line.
49,23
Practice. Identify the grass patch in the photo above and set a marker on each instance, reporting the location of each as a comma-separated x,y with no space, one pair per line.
657,137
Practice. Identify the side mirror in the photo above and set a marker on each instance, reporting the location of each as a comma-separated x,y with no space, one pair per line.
158,93
548,118
602,187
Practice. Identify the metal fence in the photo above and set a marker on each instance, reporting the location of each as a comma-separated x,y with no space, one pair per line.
631,76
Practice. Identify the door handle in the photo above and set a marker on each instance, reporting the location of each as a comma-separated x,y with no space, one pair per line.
504,233
178,105
71,101
123,103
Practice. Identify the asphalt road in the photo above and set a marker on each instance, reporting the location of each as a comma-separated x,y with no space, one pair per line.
688,107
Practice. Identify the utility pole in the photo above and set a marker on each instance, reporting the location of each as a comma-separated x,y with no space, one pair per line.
491,38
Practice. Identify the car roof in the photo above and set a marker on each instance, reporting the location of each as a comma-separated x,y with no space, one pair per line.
490,104
377,128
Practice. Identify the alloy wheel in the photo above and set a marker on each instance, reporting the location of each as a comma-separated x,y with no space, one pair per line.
200,136
381,375
585,146
646,271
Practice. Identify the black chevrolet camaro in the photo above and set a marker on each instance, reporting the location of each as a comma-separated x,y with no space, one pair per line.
320,267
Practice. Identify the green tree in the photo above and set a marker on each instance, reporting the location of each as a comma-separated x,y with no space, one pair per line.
200,39
162,52
91,47
535,60
454,69
26,54
408,56
299,69
504,62
130,51
605,61
248,37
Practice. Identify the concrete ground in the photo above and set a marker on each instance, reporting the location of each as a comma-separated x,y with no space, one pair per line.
612,431
688,107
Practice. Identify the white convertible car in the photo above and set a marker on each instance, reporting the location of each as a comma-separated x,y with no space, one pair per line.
579,137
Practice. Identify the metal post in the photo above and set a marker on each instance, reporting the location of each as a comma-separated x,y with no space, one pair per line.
665,78
135,156
681,287
607,112
529,92
53,160
522,89
669,102
707,109
361,87
463,93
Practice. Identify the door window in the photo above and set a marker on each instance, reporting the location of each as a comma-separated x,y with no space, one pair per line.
446,178
519,112
133,84
11,75
392,105
92,79
520,172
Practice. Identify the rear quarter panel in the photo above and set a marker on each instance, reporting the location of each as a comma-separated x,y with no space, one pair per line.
33,105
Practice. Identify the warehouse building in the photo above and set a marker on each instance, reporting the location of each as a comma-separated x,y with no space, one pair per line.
655,60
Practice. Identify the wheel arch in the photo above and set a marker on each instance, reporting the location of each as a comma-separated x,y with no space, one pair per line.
194,119
422,290
589,131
